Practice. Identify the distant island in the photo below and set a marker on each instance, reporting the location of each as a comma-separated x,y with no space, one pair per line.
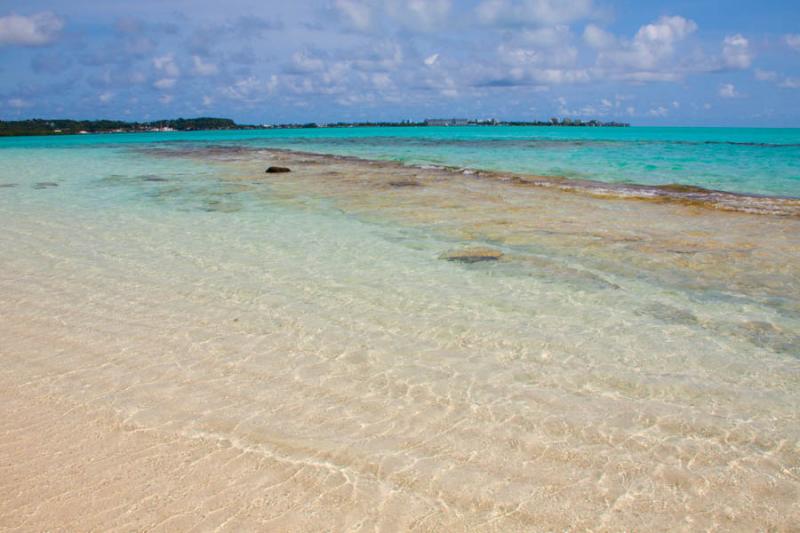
72,127
456,122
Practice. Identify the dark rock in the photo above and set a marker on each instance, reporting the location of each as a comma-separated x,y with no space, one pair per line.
45,185
7,185
154,178
277,170
405,183
472,255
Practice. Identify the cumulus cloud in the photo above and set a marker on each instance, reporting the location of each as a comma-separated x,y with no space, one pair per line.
494,55
420,14
598,38
203,68
165,83
652,45
304,62
35,30
167,66
766,75
778,79
251,89
649,56
790,83
533,12
357,13
431,59
549,37
728,90
411,15
736,52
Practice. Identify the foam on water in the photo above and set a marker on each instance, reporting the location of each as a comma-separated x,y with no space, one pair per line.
298,346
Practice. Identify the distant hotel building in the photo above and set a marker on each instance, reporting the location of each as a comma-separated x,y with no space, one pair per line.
446,122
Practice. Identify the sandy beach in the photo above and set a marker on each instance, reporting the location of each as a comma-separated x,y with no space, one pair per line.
295,352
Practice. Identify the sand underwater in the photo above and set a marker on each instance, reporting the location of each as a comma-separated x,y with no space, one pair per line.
188,342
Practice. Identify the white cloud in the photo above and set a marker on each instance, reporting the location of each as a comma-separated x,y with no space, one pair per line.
654,43
728,90
357,13
207,100
382,81
771,75
792,40
533,12
35,30
432,59
423,15
736,51
303,63
165,83
649,56
201,68
539,56
552,76
766,75
105,97
547,37
790,83
166,64
659,111
412,15
251,89
385,56
18,103
597,37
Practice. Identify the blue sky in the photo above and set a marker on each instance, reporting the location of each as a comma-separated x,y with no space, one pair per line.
680,62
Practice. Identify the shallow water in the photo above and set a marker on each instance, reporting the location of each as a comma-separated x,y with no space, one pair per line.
738,160
297,350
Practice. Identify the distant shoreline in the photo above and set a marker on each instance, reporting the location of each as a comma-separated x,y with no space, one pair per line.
46,127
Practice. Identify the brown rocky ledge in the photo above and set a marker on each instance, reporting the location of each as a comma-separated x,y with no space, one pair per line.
472,255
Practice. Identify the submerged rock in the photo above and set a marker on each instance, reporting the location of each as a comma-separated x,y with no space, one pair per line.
154,178
45,185
277,170
668,313
769,336
405,183
472,255
7,185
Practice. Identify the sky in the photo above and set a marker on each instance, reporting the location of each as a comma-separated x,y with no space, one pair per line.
647,62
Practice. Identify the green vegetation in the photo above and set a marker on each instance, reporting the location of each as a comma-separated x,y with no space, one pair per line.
66,127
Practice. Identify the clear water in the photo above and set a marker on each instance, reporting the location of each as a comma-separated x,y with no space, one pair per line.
625,365
740,160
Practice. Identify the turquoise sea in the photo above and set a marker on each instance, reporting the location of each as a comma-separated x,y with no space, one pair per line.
201,344
739,160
